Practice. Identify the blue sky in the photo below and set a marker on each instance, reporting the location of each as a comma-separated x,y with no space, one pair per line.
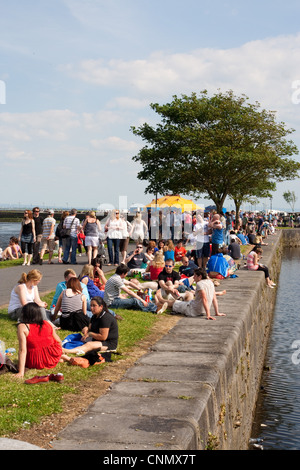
75,75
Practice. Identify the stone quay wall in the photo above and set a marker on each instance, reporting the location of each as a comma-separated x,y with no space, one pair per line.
197,387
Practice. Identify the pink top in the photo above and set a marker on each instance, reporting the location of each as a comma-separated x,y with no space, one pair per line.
250,262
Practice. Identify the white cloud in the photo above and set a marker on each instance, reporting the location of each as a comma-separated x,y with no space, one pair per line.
115,143
50,124
263,69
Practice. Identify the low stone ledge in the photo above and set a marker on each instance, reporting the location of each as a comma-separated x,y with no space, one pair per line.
198,385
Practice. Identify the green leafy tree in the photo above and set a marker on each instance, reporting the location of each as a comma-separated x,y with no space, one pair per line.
251,193
205,145
290,198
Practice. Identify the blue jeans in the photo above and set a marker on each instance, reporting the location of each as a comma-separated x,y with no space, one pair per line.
113,242
71,243
133,304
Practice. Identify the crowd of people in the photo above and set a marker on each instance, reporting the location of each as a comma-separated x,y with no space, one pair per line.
178,275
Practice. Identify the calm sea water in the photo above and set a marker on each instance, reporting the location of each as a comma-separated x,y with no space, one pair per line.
7,230
277,419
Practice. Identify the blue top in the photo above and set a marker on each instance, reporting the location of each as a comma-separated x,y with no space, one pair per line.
93,290
242,238
169,254
217,236
218,264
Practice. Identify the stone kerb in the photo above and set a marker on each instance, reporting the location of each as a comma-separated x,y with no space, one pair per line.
197,386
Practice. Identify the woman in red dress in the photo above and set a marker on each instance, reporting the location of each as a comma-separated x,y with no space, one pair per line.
39,345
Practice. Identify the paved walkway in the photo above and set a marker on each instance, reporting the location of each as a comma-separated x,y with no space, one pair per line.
52,274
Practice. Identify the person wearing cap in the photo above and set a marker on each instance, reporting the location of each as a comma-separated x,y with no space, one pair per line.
48,236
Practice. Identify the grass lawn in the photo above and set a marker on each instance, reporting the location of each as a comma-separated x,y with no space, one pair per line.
22,405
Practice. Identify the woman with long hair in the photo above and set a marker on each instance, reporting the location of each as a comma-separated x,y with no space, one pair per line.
39,345
139,229
91,228
72,304
102,334
114,231
99,278
24,292
254,265
27,236
87,277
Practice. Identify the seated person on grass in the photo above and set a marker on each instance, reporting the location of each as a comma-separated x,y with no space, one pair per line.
137,260
114,298
170,283
63,285
102,334
13,251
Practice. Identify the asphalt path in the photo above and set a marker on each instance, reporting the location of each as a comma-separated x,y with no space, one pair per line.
52,275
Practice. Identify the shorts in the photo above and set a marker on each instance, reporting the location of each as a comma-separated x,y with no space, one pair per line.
203,251
91,241
185,308
124,244
48,243
165,295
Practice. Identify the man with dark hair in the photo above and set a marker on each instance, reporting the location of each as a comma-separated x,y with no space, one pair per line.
198,303
115,299
48,236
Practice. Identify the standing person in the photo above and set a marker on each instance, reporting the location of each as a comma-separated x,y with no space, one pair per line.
114,229
48,237
217,237
39,345
125,238
72,225
201,232
139,229
61,239
38,222
91,228
24,292
27,236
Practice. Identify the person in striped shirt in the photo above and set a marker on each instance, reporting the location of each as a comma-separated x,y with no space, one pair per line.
48,237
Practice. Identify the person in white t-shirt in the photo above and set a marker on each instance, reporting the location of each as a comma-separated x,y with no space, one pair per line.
198,303
201,232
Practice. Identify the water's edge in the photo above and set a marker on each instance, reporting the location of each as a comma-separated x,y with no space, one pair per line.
198,386
277,418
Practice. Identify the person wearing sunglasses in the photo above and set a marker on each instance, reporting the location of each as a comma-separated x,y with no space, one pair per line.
169,282
137,260
114,233
38,222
